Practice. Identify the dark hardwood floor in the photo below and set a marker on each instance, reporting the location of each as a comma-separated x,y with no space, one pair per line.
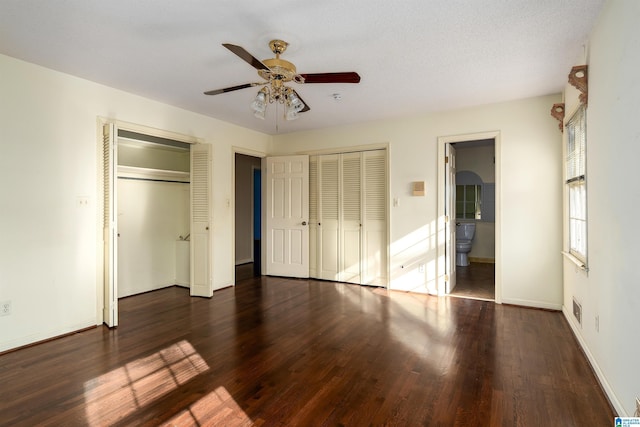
284,352
246,271
477,280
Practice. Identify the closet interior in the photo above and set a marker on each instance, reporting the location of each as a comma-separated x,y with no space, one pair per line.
153,208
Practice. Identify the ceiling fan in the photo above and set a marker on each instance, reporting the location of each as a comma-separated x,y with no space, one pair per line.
276,72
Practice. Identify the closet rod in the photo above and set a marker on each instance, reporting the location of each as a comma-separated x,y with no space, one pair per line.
154,180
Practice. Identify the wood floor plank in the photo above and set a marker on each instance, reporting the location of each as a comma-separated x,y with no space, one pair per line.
286,352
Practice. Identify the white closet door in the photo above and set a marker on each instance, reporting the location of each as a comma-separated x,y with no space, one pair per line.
201,283
374,244
350,217
110,226
287,216
313,216
328,228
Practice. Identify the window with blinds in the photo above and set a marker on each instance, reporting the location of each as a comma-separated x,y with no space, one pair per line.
575,180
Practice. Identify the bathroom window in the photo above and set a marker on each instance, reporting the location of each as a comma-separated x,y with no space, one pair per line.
575,172
468,201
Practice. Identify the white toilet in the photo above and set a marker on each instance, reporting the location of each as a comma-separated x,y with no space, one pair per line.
464,238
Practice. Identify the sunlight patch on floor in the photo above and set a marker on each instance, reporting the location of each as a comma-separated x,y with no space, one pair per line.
120,392
216,408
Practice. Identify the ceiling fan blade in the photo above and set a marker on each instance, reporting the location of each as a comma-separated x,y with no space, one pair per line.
346,77
229,89
306,106
246,56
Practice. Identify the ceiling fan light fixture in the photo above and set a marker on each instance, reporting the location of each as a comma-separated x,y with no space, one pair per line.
259,114
294,102
291,114
259,104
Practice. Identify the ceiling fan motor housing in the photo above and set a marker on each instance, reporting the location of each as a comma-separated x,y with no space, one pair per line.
279,69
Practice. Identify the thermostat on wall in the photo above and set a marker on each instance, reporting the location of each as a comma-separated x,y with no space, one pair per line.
417,188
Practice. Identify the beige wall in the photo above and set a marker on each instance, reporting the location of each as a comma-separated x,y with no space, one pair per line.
478,159
610,291
151,218
529,265
49,251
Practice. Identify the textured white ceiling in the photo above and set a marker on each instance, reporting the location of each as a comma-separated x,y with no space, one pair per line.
414,56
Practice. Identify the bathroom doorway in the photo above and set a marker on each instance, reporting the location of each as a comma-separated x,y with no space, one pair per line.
473,219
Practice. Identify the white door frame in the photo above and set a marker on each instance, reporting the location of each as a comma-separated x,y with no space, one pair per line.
441,265
100,261
450,207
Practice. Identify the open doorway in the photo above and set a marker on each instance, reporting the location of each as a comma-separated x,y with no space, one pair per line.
475,219
248,224
469,203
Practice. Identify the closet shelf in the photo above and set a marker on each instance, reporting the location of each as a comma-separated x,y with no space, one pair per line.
133,172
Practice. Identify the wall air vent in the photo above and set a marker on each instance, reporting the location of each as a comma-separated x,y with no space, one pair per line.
577,311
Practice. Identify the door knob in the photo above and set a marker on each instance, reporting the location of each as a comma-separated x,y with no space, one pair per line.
304,222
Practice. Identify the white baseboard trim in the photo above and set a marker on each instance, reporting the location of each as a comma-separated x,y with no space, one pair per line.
244,261
43,336
617,406
532,304
482,260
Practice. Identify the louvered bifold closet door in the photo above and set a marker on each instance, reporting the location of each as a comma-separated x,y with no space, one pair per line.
201,283
328,228
313,216
110,239
374,228
350,217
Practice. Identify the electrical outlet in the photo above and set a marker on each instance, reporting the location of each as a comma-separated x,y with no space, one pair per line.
597,323
421,267
5,308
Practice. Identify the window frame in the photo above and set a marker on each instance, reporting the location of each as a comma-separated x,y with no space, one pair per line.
575,181
464,201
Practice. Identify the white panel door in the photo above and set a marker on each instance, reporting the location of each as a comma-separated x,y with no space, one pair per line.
200,250
287,216
350,217
329,218
110,226
450,216
374,231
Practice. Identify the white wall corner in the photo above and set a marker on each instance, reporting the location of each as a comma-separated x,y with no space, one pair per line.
608,390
